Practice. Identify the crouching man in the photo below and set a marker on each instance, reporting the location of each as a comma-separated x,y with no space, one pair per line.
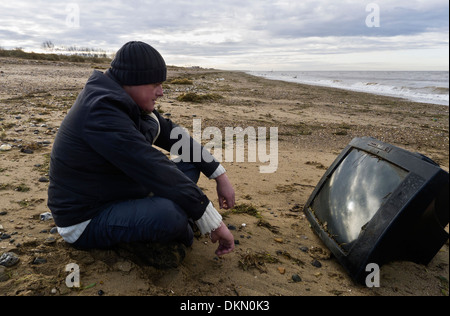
109,185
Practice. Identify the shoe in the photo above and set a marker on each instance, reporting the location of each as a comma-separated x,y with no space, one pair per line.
160,256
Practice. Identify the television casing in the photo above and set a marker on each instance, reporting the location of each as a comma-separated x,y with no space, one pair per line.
409,225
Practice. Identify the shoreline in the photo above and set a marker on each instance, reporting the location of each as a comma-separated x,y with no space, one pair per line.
349,86
314,125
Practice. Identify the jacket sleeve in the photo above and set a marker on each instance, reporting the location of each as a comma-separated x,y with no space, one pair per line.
116,137
198,155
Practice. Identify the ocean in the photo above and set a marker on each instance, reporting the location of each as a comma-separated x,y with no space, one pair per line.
418,86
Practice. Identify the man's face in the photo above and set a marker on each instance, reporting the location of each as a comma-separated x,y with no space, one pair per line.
146,95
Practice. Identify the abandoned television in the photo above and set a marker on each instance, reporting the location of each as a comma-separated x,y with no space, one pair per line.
379,203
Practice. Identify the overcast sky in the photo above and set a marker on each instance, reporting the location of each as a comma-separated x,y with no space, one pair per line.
245,35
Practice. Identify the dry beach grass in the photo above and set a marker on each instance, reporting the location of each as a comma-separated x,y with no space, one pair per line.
314,125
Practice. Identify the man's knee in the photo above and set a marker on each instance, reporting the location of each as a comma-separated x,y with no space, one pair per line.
167,221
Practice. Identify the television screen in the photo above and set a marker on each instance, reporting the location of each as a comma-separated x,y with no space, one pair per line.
343,209
379,203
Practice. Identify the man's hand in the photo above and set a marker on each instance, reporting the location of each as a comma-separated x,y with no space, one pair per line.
225,239
225,192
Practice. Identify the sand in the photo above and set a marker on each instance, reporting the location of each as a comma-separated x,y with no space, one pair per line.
274,238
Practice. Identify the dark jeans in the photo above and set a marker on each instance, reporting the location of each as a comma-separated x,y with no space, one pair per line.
151,219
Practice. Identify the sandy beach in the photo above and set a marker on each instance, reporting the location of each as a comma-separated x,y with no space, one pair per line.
274,239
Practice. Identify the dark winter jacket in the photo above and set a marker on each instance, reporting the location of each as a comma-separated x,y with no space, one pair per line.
103,154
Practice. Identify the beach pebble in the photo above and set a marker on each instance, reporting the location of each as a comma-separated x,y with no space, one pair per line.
26,151
316,263
5,147
39,260
124,266
50,240
45,216
43,179
296,278
8,259
4,236
281,270
304,249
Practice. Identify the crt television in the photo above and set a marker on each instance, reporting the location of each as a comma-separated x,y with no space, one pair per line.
379,203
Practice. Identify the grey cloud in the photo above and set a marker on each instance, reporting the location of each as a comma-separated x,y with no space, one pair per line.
278,29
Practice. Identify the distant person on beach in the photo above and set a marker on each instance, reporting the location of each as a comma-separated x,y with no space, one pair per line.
110,186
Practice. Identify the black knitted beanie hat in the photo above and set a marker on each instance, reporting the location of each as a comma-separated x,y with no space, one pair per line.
137,63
